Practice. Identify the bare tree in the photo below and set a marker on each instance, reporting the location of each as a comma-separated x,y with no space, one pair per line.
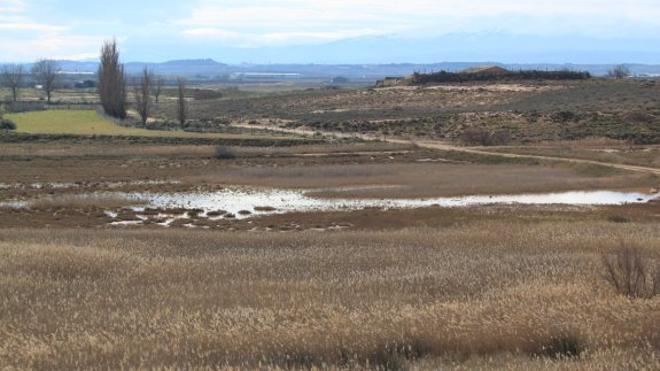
45,72
12,77
143,95
182,105
158,88
112,81
619,72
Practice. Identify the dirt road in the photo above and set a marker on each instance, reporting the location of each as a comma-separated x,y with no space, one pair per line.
443,146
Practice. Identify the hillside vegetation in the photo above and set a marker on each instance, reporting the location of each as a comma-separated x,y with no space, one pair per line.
495,75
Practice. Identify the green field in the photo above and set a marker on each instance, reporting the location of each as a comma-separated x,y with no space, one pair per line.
89,122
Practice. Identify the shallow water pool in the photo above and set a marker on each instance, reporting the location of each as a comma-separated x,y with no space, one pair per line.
259,202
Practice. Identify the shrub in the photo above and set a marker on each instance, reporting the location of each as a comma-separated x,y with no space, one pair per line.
460,77
224,153
562,347
639,117
564,116
619,72
632,273
6,124
484,137
618,219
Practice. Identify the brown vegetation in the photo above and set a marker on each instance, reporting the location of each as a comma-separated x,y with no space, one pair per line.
483,137
494,287
224,153
71,201
495,74
619,72
466,294
632,272
531,111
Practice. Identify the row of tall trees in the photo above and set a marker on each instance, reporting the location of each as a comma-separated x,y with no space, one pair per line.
45,72
12,78
112,84
112,88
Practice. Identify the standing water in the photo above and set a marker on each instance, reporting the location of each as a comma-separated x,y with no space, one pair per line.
245,202
284,201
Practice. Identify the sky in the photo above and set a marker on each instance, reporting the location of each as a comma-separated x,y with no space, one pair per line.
335,31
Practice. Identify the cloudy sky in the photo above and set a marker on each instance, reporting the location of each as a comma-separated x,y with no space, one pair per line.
300,30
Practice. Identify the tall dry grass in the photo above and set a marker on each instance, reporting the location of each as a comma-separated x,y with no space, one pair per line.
488,295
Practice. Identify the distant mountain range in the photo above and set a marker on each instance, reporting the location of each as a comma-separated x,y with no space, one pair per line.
210,69
372,57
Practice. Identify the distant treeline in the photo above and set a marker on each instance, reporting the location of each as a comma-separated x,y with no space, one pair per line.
455,77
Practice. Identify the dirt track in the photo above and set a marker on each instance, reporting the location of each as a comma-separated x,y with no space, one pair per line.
443,146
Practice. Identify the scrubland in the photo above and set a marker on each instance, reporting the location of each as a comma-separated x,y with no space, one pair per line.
530,112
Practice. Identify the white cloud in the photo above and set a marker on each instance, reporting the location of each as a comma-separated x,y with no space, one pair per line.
276,38
11,6
28,26
267,21
24,39
50,28
56,47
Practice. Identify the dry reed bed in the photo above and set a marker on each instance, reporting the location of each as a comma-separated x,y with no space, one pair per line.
486,295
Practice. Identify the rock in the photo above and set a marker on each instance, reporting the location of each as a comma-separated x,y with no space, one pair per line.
151,211
265,209
195,213
217,213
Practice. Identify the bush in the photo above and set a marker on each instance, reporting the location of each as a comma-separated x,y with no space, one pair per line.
484,137
632,273
460,77
564,346
564,116
619,72
224,153
6,124
618,219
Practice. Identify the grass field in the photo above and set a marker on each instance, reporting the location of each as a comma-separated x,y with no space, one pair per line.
88,122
